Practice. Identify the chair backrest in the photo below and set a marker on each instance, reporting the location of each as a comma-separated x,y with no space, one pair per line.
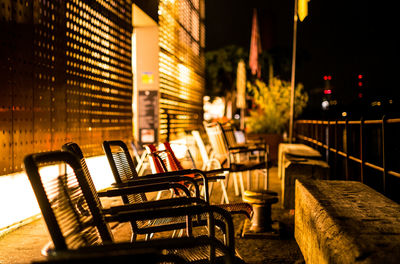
156,164
69,209
122,167
77,151
202,147
228,131
172,160
217,141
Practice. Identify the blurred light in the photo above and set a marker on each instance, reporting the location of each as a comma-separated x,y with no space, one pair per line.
184,73
327,77
376,103
360,95
325,105
214,109
360,76
344,114
360,84
236,116
327,91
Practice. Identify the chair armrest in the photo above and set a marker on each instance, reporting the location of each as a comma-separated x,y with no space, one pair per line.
171,202
111,192
183,173
247,150
144,180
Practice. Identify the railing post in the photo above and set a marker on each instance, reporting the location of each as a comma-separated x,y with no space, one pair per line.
336,147
362,150
346,127
327,141
384,156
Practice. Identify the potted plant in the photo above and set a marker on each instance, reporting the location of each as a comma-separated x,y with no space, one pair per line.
269,119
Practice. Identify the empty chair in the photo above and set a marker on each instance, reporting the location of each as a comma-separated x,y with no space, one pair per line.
229,156
134,196
169,162
77,225
211,163
125,175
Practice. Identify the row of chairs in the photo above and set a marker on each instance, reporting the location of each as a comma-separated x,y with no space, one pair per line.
79,225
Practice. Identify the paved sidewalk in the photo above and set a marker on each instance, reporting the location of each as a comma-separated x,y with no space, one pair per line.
24,244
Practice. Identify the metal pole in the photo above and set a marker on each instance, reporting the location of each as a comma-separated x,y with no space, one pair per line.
293,73
384,156
362,150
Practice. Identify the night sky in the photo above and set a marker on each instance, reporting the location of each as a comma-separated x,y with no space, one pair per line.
339,38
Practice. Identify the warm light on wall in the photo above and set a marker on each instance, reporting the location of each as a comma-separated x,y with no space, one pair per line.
184,74
18,201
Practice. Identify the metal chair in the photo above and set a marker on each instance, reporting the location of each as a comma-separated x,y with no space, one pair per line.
77,225
229,154
210,163
169,162
125,175
134,196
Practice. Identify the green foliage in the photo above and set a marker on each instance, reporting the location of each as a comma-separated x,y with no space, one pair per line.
272,111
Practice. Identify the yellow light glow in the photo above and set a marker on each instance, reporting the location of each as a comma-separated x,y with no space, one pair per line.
184,73
18,201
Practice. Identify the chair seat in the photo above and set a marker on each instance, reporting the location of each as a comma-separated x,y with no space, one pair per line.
238,208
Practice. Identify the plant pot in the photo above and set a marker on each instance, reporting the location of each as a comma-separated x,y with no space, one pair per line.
273,140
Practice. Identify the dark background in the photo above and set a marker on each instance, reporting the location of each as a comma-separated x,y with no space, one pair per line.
339,38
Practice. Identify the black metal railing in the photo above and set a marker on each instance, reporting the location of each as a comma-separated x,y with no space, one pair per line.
361,150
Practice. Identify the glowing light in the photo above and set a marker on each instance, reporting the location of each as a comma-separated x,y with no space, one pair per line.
344,114
325,105
214,109
184,73
327,91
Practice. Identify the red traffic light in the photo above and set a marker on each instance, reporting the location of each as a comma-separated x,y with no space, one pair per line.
327,77
328,91
360,76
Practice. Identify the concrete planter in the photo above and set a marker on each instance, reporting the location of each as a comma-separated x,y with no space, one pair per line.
273,141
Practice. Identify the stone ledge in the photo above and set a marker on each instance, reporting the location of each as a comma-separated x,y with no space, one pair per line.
298,161
345,222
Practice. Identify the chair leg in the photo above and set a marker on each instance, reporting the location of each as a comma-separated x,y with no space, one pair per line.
235,184
159,195
241,183
210,189
224,198
133,237
248,178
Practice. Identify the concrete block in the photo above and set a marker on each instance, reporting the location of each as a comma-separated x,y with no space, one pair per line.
297,150
345,222
299,168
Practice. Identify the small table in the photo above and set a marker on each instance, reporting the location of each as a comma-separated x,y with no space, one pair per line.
261,200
